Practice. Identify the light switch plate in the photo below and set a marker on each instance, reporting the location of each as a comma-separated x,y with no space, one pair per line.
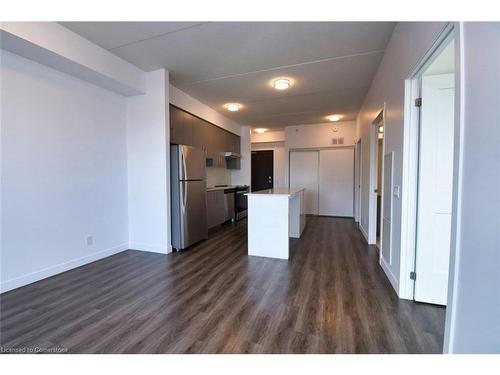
395,191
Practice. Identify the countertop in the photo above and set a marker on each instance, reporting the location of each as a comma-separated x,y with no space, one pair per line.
277,191
221,188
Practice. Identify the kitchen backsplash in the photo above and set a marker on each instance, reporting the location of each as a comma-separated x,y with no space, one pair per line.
218,176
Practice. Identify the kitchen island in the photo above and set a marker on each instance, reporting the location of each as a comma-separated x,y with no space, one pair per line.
274,215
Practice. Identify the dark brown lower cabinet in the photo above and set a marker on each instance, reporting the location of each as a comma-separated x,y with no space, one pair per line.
215,208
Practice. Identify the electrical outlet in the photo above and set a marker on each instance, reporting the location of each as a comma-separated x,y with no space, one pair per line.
90,240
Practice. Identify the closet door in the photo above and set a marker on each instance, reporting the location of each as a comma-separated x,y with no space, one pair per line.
336,182
304,174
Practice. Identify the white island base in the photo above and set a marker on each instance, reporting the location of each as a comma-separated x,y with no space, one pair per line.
274,215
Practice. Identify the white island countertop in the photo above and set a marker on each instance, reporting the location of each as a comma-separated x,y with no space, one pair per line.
277,191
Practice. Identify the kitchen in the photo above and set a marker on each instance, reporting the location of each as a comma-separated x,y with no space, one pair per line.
227,118
205,160
202,154
212,170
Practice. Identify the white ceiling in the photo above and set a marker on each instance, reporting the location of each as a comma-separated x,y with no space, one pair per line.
332,64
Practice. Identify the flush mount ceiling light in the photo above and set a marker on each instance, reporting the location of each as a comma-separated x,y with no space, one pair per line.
334,117
233,107
260,130
281,83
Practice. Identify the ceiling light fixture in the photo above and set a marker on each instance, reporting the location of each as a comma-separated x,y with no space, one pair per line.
233,107
334,117
381,129
260,130
281,83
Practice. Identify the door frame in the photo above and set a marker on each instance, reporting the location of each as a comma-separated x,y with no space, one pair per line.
273,160
409,191
275,147
386,263
372,201
358,160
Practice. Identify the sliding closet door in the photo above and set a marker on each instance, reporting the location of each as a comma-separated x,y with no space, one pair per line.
336,182
304,174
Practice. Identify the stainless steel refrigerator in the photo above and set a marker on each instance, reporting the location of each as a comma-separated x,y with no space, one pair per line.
188,196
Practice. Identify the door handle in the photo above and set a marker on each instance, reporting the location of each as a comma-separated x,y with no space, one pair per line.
184,198
184,165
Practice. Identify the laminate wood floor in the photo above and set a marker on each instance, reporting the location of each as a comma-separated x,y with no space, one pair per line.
330,297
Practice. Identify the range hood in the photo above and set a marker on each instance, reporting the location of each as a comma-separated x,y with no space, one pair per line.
231,155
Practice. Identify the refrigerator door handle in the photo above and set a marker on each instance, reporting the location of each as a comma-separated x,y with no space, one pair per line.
184,164
184,198
179,160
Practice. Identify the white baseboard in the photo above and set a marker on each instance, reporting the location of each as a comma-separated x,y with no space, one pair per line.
363,232
392,279
150,248
58,268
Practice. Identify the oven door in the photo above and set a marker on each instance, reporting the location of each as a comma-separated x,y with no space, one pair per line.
241,204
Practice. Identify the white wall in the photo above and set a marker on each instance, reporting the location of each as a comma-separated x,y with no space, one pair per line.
184,101
64,172
280,156
408,45
53,45
473,313
320,135
218,176
268,136
149,166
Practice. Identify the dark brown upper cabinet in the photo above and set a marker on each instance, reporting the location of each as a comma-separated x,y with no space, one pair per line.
199,137
193,131
187,134
237,144
176,125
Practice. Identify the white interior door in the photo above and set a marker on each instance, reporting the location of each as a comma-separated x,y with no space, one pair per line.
435,189
336,182
304,174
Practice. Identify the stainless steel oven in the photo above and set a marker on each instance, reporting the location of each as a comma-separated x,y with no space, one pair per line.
240,202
